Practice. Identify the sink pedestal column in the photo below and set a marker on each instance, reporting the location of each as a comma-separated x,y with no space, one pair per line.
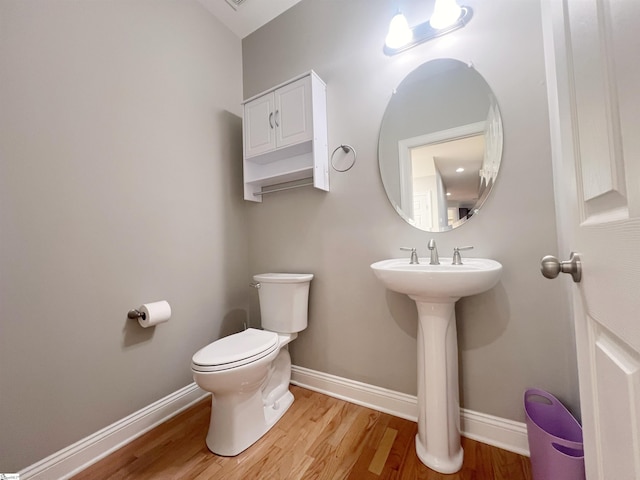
438,439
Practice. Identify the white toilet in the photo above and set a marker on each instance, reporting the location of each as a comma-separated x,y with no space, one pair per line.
248,373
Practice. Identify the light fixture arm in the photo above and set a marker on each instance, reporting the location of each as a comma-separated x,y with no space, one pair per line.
425,32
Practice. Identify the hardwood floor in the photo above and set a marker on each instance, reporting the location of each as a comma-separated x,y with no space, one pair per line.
320,437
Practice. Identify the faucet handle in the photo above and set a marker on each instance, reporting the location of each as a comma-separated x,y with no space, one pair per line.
414,255
457,260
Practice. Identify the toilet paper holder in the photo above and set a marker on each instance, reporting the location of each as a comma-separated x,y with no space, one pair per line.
135,314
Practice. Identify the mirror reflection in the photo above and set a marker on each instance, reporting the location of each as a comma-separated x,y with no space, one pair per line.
440,145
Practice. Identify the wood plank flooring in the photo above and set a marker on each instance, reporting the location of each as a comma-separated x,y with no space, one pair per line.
320,437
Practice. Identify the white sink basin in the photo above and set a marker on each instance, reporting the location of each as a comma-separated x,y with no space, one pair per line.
435,289
475,275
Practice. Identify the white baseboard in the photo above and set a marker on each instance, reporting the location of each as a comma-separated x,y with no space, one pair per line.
499,432
75,458
67,462
378,398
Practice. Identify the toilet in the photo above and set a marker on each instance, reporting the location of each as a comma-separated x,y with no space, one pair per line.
248,373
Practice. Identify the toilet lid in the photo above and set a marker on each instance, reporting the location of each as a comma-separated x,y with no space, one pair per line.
235,350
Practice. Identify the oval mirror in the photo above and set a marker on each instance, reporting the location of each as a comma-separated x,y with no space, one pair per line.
440,145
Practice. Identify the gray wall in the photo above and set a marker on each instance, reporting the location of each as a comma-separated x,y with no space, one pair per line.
517,335
120,184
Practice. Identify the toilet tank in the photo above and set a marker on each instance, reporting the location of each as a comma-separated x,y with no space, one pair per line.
284,301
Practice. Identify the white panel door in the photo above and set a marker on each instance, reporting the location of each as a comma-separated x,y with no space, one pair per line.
592,50
293,114
259,126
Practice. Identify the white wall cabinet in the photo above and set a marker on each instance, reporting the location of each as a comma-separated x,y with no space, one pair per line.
285,136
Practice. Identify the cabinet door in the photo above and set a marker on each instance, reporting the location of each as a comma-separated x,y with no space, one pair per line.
293,114
259,126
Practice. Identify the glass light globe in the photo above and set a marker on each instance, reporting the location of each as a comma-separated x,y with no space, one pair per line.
445,14
399,32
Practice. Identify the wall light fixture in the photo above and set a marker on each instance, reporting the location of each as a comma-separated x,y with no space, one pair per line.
447,17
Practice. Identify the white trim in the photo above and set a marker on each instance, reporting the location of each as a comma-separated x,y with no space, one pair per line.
443,135
71,460
405,166
499,432
378,398
77,457
406,144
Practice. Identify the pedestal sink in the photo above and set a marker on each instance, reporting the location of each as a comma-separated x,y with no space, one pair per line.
435,289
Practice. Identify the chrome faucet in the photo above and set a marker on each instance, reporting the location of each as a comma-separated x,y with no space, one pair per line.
434,260
414,255
457,259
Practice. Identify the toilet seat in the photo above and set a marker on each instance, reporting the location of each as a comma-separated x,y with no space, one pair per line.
235,350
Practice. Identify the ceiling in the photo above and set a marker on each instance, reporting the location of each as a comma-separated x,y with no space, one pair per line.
249,15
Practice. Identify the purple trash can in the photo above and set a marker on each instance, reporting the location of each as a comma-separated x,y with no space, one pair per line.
555,438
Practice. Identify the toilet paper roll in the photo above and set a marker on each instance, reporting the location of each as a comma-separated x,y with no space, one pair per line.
154,313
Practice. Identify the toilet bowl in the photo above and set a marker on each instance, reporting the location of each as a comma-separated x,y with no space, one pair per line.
248,373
